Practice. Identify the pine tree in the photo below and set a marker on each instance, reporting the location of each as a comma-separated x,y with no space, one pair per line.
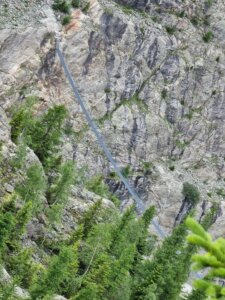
45,138
21,266
196,295
214,259
60,189
33,188
23,122
60,275
191,193
90,217
166,270
143,245
123,249
95,280
42,134
7,224
97,185
122,232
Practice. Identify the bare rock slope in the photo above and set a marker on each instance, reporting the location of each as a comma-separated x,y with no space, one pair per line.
151,74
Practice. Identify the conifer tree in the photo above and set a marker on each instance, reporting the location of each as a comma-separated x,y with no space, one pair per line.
60,189
191,193
96,279
90,217
48,131
7,223
213,259
143,245
33,188
166,270
23,122
60,275
123,249
196,295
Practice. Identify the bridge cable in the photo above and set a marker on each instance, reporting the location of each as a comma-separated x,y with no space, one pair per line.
101,142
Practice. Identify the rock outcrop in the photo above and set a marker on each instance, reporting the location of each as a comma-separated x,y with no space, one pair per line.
151,74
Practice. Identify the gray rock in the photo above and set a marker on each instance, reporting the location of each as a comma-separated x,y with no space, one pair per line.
58,297
123,62
4,276
9,188
21,293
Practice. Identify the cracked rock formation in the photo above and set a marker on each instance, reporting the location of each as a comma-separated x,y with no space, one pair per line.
152,75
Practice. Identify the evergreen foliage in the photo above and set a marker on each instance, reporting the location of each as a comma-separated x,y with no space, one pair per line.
40,133
191,193
45,138
61,5
98,186
33,187
196,295
90,218
213,259
59,276
75,3
22,119
109,255
66,20
60,188
168,269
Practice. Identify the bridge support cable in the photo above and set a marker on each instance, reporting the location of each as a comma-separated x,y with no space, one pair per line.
139,203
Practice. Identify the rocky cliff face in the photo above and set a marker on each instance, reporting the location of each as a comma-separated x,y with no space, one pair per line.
152,76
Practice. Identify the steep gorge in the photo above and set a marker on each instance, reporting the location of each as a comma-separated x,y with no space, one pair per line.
151,79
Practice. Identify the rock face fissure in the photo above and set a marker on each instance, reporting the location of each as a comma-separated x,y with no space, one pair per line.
183,212
152,75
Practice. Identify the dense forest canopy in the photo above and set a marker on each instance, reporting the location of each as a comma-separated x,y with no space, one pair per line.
109,254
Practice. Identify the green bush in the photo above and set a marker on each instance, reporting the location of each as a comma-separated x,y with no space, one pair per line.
220,192
66,20
126,171
191,193
75,3
164,94
61,5
207,37
171,29
194,20
97,185
86,8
